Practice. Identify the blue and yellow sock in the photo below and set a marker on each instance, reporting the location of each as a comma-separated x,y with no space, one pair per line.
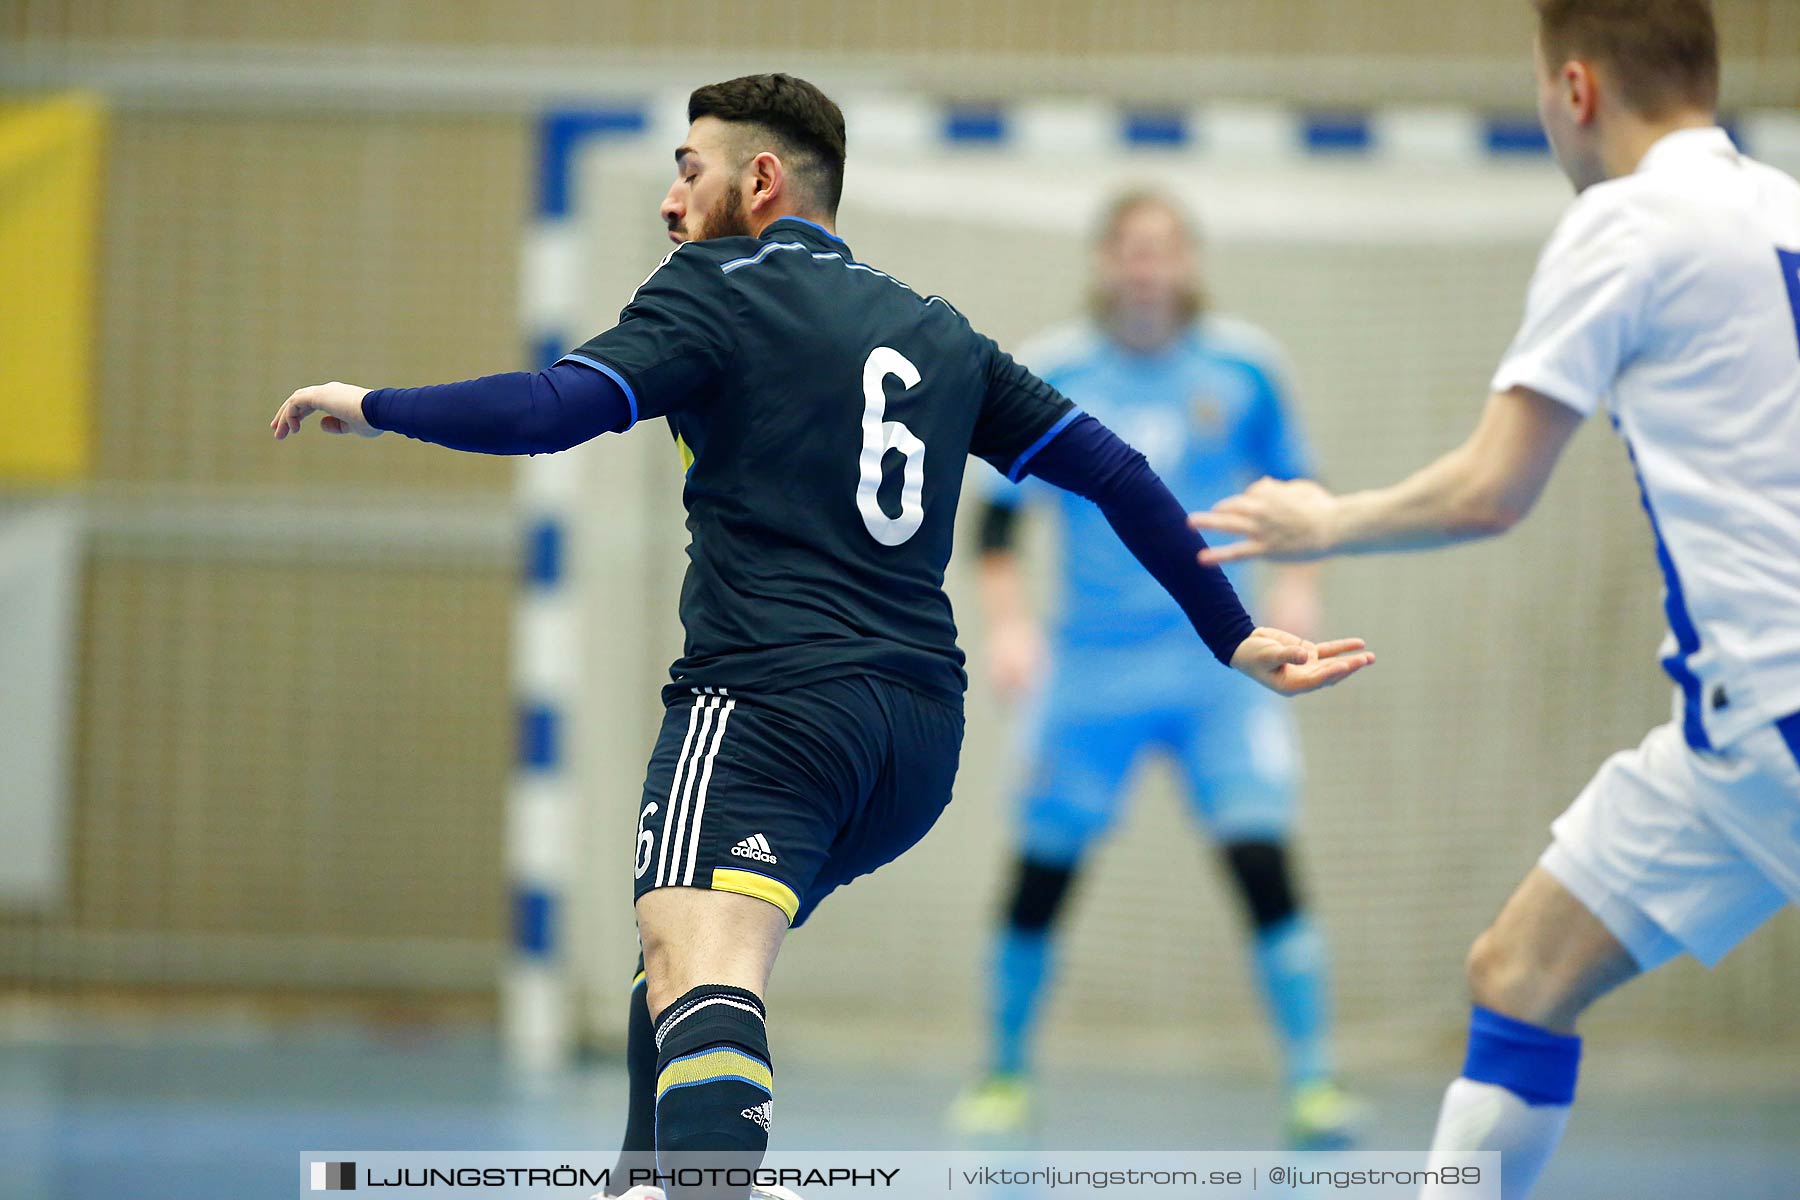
714,1084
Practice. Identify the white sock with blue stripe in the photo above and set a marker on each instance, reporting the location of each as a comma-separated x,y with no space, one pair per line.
1517,1085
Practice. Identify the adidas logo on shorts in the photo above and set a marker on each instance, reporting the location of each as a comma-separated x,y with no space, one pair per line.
755,846
762,1114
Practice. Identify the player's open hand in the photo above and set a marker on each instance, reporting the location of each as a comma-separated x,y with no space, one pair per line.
1287,520
340,404
1292,665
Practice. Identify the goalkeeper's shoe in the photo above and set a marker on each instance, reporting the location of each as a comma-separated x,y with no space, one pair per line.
998,1106
1323,1116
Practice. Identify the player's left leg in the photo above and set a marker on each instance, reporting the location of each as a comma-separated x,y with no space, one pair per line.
1292,971
1242,773
1667,850
1545,959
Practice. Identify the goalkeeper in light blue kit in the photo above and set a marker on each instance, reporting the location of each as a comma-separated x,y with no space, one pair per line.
1204,398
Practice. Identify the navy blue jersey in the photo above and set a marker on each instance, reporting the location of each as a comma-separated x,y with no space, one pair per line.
826,411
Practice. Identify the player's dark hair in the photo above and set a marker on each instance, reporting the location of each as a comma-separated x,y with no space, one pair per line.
807,126
1662,54
1192,301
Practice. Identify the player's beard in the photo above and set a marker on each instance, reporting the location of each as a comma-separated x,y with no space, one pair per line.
729,219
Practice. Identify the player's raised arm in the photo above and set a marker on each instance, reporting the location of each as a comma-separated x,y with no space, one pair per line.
1088,459
1075,452
1482,488
515,413
1584,318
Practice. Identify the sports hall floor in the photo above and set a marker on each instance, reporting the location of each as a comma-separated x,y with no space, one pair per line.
214,1112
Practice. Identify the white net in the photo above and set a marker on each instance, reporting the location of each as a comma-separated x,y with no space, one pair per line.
1509,670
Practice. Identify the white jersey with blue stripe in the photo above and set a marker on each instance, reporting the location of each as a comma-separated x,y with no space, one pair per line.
1673,296
1211,414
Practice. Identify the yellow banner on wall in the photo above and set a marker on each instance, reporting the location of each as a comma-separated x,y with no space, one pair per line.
50,180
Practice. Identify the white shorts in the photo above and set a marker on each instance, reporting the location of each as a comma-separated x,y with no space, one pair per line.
1674,849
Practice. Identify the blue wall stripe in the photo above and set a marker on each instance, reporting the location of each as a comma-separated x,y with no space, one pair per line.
1514,135
534,921
547,350
1156,129
544,553
560,134
975,125
540,737
1330,133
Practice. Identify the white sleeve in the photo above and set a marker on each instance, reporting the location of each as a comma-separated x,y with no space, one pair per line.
1585,309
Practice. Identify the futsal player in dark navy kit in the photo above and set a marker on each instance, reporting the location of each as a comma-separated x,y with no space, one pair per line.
826,412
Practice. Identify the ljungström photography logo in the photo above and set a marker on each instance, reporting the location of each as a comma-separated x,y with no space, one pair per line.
334,1177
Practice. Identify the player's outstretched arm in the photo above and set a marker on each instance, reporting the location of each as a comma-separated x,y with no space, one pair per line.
1482,488
1087,459
519,412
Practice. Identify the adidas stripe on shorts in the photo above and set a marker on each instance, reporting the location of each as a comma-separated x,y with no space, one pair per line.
787,795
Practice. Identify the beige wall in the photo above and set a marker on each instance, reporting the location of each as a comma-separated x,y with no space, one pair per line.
1347,52
294,710
246,256
1164,28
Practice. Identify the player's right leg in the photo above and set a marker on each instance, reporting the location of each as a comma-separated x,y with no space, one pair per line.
1081,764
1666,850
707,959
743,800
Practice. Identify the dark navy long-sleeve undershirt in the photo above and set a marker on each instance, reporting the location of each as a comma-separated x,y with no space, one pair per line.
520,412
545,411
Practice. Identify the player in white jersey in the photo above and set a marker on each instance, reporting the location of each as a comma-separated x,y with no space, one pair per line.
1671,293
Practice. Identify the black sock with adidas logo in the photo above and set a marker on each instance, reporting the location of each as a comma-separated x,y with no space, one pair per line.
714,1086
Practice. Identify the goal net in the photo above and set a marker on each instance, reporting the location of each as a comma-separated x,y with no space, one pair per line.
1508,670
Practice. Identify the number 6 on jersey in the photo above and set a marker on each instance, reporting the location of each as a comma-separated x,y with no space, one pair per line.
878,437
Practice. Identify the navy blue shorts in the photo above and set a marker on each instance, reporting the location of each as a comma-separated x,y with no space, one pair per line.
787,795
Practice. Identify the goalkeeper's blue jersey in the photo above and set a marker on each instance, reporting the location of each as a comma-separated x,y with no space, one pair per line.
1211,413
